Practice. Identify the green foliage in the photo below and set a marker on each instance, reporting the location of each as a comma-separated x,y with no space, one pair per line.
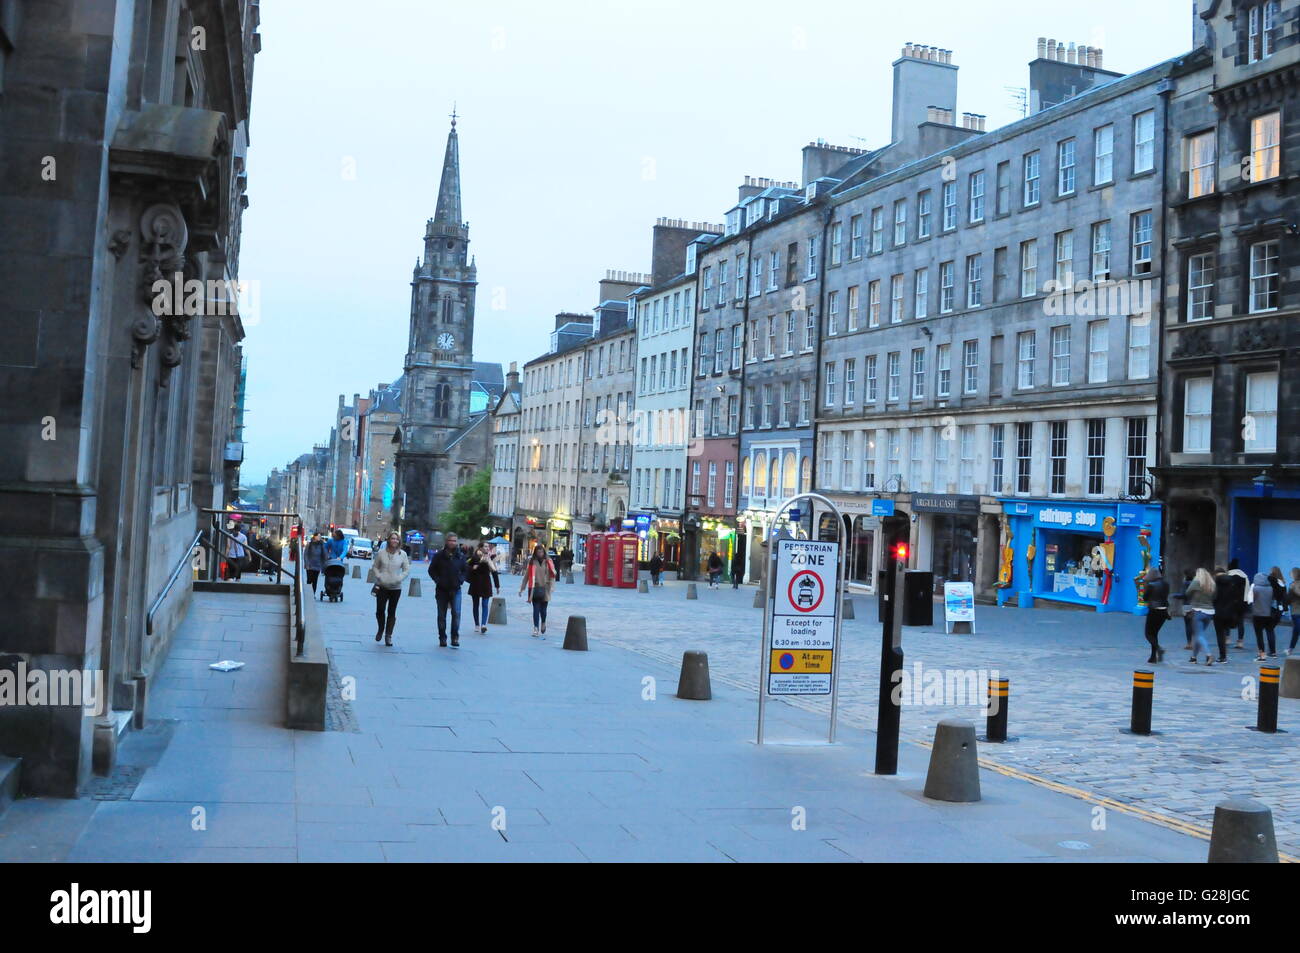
469,507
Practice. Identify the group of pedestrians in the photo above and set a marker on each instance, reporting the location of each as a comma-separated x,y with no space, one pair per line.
1223,600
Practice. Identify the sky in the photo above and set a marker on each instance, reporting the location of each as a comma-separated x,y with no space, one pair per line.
580,124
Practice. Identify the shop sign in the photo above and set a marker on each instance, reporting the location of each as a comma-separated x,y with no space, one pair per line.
1130,515
1049,516
958,604
882,507
930,503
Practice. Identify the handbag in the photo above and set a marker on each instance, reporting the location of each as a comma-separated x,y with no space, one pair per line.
374,590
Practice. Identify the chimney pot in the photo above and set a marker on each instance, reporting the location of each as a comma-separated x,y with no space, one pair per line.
1099,65
1042,47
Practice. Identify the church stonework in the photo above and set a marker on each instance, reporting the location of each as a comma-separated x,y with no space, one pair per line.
436,445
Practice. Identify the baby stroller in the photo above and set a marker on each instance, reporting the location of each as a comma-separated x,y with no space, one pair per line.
335,570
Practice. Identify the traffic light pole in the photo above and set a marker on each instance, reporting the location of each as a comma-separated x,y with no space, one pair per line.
891,661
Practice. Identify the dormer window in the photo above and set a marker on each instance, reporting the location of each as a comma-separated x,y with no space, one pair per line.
1261,23
733,221
690,259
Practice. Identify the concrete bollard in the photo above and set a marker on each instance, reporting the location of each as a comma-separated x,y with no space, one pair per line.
575,634
954,773
760,598
1242,834
497,611
1291,677
693,683
690,591
414,591
642,586
568,577
356,571
848,610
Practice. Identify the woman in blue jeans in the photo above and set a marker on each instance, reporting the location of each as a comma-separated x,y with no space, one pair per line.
1200,602
539,580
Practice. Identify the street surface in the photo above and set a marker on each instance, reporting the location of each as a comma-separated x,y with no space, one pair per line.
513,749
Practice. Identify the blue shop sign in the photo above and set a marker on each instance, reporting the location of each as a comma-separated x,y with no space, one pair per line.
642,523
882,507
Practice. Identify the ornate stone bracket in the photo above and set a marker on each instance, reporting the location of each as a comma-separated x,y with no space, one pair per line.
164,237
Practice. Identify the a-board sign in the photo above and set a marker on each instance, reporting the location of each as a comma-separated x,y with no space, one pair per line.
959,603
802,638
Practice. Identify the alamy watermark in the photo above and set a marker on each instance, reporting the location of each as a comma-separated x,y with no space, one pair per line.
944,687
57,688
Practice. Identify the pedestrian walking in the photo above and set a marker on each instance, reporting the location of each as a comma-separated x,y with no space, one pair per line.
1189,619
1293,597
656,568
483,582
314,560
1241,584
539,581
1200,603
1157,600
1229,607
448,570
1263,600
390,566
237,553
737,569
715,570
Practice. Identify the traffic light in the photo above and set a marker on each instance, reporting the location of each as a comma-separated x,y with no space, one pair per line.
901,552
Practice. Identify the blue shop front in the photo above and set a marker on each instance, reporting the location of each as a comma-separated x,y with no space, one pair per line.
1083,553
1265,525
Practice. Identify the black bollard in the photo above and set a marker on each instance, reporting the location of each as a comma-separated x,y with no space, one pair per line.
1144,684
999,692
1270,677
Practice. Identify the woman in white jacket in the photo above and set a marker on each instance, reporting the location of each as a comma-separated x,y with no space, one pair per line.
390,567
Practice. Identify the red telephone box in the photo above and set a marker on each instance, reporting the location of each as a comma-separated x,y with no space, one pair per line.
609,561
595,558
629,548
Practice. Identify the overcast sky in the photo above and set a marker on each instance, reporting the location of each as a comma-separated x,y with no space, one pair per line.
581,123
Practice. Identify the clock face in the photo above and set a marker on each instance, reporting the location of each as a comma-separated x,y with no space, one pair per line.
446,342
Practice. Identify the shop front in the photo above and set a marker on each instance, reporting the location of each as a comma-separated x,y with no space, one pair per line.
949,527
716,536
1087,554
1265,525
666,540
560,532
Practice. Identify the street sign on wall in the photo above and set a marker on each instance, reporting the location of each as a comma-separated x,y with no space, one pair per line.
801,646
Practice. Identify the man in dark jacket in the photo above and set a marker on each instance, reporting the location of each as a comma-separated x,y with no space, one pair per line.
656,567
448,570
737,569
1229,607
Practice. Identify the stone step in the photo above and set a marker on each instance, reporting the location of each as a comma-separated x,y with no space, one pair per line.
9,771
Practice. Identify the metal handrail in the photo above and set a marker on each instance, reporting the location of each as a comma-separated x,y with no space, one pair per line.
300,626
176,574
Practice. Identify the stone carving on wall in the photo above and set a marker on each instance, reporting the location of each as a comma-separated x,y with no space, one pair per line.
164,237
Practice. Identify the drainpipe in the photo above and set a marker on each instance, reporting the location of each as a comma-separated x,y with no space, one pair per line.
1165,89
827,214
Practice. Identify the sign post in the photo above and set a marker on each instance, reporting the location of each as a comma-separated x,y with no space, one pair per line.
802,614
959,608
888,710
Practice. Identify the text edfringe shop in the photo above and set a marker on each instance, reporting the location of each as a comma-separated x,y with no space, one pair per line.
1090,554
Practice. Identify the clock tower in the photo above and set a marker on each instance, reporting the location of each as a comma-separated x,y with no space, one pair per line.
439,357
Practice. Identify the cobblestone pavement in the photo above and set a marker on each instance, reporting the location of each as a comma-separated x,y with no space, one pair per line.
1071,690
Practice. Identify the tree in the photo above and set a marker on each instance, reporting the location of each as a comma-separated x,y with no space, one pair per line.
469,507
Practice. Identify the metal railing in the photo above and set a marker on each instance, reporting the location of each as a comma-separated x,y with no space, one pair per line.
188,558
300,629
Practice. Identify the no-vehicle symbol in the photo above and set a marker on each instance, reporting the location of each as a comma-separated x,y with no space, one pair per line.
806,591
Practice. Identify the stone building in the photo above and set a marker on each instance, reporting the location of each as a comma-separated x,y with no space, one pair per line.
443,440
664,315
776,280
551,423
505,455
608,400
1230,456
124,129
987,382
376,432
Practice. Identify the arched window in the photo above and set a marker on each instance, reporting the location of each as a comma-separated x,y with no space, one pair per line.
774,475
446,309
745,486
760,473
442,400
805,475
789,468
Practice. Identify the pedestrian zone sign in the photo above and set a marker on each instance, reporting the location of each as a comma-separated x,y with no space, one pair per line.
801,649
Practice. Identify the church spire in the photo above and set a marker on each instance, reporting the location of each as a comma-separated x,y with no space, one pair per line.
448,212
